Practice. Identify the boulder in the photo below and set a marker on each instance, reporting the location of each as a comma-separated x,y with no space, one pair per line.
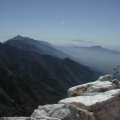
52,112
107,77
93,102
104,83
101,97
15,118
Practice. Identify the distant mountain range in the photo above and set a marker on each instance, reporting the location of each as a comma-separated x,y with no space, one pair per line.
30,75
95,57
101,49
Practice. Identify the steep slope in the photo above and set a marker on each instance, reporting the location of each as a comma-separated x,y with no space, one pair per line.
41,47
28,79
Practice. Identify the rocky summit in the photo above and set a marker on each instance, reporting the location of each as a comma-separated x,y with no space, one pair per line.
99,100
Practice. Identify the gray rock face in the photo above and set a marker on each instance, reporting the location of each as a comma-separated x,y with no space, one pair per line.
101,97
54,111
105,106
15,118
99,100
104,83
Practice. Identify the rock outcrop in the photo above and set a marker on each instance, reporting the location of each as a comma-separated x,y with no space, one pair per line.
15,118
99,100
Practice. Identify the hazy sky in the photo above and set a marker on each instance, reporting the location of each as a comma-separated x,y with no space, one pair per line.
61,20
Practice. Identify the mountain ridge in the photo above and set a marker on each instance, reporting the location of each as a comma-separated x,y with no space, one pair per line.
95,47
41,47
95,57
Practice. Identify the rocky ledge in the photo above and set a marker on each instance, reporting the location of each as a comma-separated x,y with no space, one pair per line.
99,100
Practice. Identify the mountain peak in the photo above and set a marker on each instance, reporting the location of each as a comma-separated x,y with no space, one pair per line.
18,37
38,46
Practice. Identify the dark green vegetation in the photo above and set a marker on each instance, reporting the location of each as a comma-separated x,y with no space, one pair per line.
28,79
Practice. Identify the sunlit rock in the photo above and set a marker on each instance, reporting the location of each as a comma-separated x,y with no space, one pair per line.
104,83
15,118
101,97
107,77
53,112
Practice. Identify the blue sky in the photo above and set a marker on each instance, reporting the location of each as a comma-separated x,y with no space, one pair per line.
61,20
